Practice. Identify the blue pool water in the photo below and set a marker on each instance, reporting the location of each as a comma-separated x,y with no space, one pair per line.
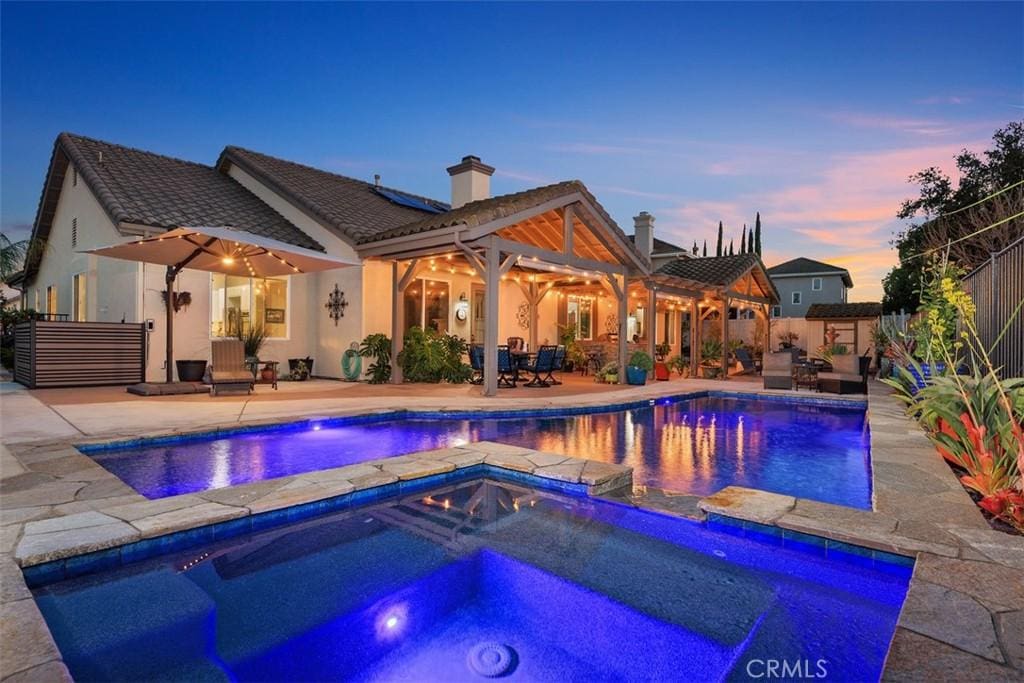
697,446
576,589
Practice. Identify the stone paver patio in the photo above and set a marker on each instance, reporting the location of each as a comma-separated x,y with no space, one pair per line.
963,617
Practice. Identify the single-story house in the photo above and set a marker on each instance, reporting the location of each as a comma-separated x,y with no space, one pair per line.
484,268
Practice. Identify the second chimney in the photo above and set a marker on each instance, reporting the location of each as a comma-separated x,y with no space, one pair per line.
471,181
643,233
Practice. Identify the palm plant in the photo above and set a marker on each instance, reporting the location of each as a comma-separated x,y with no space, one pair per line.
378,347
14,254
253,338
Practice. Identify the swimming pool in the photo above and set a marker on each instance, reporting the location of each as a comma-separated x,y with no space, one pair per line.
695,445
477,577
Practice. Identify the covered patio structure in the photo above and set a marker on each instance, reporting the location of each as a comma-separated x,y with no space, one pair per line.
558,252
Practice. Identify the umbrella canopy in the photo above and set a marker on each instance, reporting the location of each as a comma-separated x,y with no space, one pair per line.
223,250
218,250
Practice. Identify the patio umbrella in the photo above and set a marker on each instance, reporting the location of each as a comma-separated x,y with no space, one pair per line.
218,250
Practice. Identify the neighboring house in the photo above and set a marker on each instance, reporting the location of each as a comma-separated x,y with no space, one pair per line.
803,281
421,259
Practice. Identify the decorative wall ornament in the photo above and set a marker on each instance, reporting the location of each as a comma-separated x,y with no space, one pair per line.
611,323
336,305
523,315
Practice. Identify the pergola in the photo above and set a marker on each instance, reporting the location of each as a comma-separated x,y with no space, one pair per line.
558,238
715,285
557,235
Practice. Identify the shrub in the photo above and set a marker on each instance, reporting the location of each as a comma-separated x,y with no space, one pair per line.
642,360
711,351
253,338
431,357
679,364
378,347
609,370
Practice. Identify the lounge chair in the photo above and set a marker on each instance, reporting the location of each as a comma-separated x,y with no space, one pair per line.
558,365
849,375
749,367
778,370
476,361
228,367
544,363
506,368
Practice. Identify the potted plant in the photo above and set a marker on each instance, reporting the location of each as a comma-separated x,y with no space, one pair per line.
661,352
679,364
609,374
711,357
787,339
299,372
640,363
294,363
574,354
190,370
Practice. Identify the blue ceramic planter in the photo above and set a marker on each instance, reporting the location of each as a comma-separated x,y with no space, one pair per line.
928,370
635,375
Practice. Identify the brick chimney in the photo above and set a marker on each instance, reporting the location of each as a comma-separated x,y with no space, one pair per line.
643,233
471,181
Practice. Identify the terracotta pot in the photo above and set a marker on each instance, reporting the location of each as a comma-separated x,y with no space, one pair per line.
267,374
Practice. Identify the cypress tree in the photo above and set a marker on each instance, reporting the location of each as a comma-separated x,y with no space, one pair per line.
757,234
743,239
695,247
731,252
750,242
719,251
705,248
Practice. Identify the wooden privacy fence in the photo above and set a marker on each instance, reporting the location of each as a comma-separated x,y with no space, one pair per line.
49,353
997,287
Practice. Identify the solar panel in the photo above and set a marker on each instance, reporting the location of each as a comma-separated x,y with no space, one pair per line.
412,202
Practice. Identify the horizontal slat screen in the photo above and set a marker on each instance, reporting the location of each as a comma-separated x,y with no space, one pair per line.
75,354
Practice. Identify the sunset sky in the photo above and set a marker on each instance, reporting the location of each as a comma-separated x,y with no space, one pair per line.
813,115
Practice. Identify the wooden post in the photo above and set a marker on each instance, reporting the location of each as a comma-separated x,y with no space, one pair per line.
532,300
623,327
397,323
567,230
652,320
492,281
695,325
725,338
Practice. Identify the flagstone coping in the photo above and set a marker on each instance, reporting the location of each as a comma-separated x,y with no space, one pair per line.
135,518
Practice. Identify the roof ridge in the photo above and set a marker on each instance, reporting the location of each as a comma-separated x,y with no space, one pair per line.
359,181
75,136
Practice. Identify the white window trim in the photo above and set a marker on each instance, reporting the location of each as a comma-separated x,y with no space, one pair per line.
815,284
287,311
796,298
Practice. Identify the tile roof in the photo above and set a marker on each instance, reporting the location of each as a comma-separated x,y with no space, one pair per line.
663,247
351,207
854,311
486,210
806,266
135,186
712,270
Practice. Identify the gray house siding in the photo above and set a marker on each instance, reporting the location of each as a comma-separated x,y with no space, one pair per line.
832,292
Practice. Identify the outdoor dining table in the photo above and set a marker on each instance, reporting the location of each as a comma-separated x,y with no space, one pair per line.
520,359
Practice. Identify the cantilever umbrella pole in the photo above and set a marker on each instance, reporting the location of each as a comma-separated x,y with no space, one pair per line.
170,277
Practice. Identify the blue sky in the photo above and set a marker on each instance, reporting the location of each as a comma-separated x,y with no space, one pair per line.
812,114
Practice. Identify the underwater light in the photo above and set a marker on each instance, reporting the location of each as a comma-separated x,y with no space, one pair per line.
391,622
316,428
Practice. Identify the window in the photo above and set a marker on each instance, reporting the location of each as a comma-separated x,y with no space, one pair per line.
776,311
80,297
238,303
74,233
815,284
580,316
427,305
796,298
51,299
667,333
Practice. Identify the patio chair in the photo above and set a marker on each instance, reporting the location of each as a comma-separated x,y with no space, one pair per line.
849,375
544,363
778,370
516,344
476,362
228,368
749,367
557,365
506,368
